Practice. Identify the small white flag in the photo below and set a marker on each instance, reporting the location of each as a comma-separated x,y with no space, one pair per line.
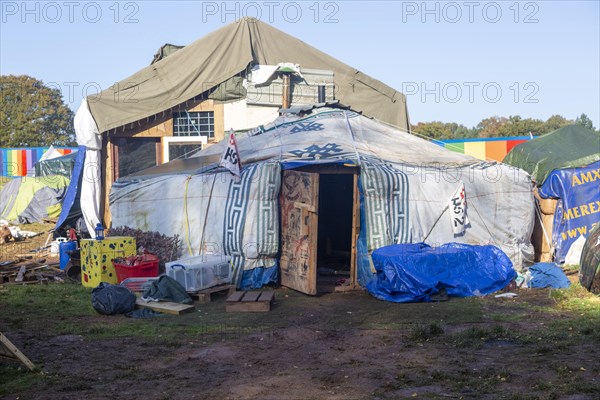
458,210
230,158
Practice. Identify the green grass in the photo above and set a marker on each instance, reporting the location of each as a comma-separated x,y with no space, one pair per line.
15,377
562,318
43,300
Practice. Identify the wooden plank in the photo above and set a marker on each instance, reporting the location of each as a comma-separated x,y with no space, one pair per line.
267,296
204,296
346,288
235,297
307,207
250,301
11,351
250,296
214,289
219,121
299,231
253,306
166,307
355,230
21,274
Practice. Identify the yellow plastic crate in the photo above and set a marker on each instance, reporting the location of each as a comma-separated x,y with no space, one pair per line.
97,258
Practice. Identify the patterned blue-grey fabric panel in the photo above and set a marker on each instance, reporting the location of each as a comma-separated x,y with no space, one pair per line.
236,210
386,204
269,183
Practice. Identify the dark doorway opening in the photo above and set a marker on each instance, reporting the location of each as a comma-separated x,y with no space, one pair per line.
334,244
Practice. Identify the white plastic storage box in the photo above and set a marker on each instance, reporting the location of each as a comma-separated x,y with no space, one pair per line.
200,272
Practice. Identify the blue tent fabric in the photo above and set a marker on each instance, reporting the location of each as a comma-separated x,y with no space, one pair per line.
259,277
73,189
363,259
414,272
545,275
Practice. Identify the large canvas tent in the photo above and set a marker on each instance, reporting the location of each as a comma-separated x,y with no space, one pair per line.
572,146
225,53
27,200
397,186
565,164
201,69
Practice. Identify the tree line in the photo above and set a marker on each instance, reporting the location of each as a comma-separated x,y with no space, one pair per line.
496,126
33,114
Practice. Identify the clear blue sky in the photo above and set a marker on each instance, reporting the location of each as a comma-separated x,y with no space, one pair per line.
457,61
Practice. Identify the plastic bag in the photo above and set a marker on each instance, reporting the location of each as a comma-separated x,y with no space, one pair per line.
110,299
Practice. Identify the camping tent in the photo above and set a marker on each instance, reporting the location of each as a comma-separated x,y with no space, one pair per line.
28,200
572,146
302,171
565,164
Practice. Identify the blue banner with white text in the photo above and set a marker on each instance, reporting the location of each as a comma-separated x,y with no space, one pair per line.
578,209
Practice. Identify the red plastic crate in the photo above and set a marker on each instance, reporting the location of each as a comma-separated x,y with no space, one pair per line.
145,266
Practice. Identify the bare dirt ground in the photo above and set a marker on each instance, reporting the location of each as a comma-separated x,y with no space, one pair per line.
543,344
336,346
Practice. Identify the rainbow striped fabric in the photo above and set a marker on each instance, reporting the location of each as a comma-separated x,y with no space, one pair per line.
19,161
490,149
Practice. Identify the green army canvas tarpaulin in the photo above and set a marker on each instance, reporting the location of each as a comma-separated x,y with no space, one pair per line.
222,54
572,146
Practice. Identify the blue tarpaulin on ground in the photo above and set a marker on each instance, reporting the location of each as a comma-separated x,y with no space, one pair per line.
548,275
414,272
579,206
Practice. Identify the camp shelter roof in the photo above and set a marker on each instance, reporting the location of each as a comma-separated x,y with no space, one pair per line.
224,53
324,135
568,147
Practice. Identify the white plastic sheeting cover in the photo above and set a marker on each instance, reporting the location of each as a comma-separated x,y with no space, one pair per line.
50,154
406,183
87,135
209,212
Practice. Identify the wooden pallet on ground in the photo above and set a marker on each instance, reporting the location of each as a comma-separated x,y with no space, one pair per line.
250,301
204,296
165,307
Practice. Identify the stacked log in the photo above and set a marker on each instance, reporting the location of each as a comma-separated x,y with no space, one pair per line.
543,247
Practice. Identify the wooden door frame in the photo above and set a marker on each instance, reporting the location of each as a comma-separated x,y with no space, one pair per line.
342,170
299,253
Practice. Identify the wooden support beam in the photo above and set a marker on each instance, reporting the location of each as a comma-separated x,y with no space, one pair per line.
9,350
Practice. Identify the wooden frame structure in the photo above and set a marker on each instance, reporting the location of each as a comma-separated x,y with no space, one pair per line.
10,351
158,127
299,201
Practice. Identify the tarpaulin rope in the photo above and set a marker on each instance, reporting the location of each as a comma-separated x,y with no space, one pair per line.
435,223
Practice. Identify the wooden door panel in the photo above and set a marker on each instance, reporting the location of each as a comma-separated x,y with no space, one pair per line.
299,225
